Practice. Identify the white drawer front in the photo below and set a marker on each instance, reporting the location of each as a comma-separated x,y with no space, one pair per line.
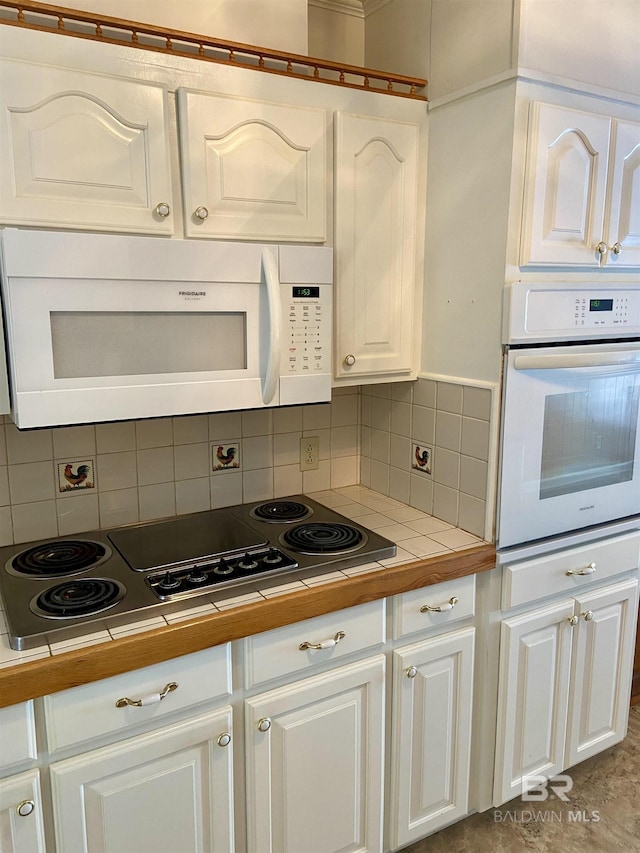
89,712
569,570
17,736
277,653
433,606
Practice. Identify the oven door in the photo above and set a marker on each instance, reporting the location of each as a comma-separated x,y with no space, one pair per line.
570,454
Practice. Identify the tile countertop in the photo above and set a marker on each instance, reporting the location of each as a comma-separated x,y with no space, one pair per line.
428,551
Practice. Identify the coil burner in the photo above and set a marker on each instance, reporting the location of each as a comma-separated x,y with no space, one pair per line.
281,511
59,558
324,538
83,597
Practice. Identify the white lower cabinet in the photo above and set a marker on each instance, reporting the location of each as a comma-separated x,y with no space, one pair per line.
564,684
161,792
21,824
315,758
433,687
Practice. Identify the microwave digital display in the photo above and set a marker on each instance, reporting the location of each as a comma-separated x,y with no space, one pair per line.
305,292
601,305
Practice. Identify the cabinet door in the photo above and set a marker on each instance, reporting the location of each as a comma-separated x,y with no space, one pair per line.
433,686
162,792
83,151
252,169
21,826
376,225
602,670
565,187
315,763
624,204
535,659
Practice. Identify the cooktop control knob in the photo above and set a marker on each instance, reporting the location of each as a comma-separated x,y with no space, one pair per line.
169,582
197,576
247,562
273,557
223,568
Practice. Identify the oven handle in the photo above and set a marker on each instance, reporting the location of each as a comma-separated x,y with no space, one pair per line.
272,281
560,361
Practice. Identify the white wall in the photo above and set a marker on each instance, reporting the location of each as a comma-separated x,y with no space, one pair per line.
279,24
336,33
592,41
396,36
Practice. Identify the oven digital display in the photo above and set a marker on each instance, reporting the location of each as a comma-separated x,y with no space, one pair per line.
601,305
305,292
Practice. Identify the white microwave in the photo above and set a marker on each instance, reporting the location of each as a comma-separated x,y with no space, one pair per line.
107,327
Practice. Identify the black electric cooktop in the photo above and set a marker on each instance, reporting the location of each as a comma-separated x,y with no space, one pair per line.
63,588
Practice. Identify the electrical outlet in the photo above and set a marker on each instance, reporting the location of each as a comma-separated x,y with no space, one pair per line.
309,452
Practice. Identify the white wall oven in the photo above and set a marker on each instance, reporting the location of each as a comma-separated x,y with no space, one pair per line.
570,450
107,327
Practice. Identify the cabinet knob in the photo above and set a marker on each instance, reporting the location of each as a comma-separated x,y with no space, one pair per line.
163,209
349,360
588,570
151,699
587,615
573,621
25,808
224,739
264,724
323,644
201,213
616,248
602,248
411,671
439,608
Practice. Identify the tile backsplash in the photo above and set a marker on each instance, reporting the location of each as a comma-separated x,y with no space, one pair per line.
65,480
424,443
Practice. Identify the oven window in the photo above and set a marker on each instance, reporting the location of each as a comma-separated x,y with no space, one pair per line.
122,343
589,437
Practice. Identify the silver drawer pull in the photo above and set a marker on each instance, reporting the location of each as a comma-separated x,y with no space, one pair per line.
325,644
589,570
439,608
151,699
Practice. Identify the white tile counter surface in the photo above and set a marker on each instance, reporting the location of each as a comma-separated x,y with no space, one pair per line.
416,534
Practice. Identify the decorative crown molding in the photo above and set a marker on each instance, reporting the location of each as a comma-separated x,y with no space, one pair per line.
343,7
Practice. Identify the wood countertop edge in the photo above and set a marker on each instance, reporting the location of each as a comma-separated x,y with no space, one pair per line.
43,676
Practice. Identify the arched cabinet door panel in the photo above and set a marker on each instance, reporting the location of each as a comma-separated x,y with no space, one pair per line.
83,151
582,192
376,240
251,169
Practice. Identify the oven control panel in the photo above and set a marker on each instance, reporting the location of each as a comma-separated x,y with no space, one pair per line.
560,311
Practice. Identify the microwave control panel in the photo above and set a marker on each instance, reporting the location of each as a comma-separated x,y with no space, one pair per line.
307,311
561,311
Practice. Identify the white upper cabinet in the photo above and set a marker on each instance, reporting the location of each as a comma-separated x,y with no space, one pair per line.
377,233
83,151
252,169
582,193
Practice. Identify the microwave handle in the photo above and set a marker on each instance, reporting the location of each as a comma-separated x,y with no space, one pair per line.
626,358
272,281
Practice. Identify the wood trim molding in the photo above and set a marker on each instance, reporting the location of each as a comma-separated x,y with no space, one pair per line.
41,677
120,31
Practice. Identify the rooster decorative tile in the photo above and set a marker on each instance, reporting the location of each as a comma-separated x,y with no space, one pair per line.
75,476
421,458
225,456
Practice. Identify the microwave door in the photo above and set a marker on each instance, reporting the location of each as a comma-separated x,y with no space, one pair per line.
570,455
98,350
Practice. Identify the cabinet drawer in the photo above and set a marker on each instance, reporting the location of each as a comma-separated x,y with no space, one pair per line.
273,654
17,736
89,712
410,617
557,573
